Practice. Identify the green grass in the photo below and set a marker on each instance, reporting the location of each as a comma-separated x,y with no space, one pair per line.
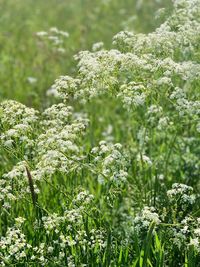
85,202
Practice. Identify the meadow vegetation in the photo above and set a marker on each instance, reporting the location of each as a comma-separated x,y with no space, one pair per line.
99,133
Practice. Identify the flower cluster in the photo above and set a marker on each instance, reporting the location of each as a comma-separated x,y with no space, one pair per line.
110,163
64,232
181,194
143,220
14,247
55,37
17,122
56,147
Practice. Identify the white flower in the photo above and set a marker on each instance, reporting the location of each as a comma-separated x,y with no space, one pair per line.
97,46
41,34
32,80
194,242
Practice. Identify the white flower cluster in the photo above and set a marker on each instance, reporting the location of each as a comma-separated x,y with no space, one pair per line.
67,86
65,232
58,114
72,217
180,235
144,159
182,194
195,240
146,70
144,219
13,247
55,147
17,122
183,105
133,94
83,198
156,117
97,46
52,222
186,234
14,184
55,37
110,163
58,149
179,33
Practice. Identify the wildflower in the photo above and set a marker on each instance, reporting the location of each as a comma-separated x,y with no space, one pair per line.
32,80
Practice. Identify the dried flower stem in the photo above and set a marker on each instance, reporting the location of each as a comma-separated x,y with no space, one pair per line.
31,186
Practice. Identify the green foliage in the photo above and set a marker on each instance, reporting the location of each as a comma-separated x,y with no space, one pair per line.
100,168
